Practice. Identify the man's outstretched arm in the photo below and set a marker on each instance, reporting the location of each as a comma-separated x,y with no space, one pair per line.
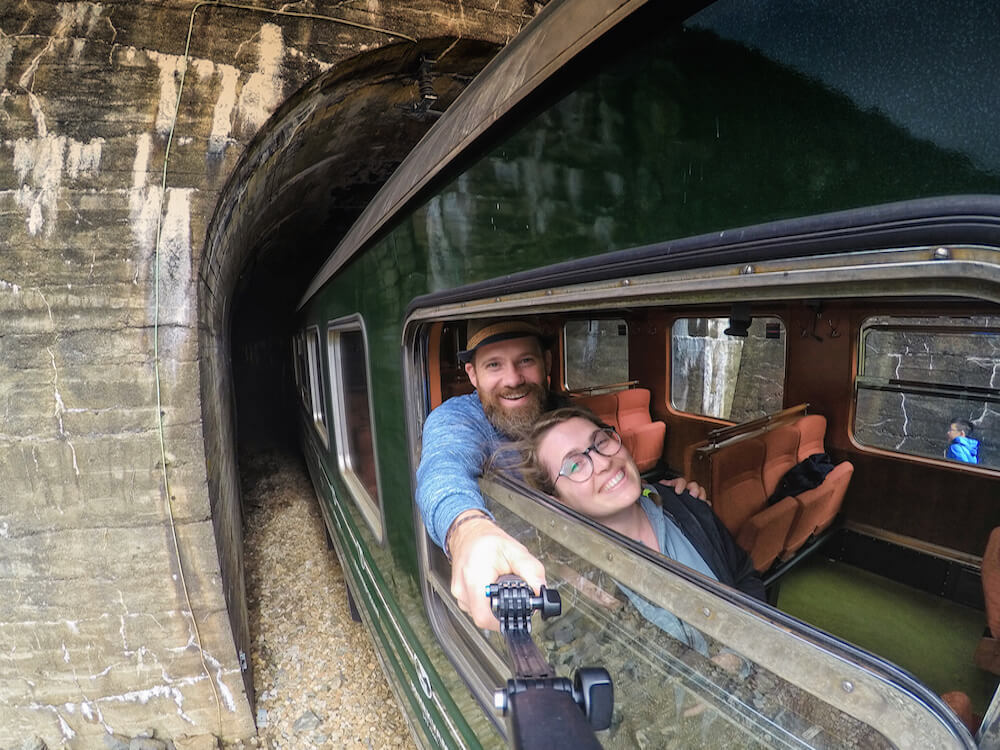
457,439
481,552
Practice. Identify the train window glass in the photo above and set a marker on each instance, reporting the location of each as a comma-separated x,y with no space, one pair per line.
736,376
930,386
301,371
690,668
316,400
352,409
596,352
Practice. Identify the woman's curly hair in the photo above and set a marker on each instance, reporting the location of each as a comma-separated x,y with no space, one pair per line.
522,457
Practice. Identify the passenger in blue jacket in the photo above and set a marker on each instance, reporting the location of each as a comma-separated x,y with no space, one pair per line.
962,446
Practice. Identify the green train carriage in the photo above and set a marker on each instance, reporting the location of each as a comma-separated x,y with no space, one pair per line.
638,178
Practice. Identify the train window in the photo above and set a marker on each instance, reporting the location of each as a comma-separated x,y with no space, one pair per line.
596,352
317,402
352,409
727,368
300,366
930,386
692,667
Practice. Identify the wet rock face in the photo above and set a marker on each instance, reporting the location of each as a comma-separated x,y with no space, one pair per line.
121,125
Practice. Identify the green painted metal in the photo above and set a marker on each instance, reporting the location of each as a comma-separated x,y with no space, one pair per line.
686,135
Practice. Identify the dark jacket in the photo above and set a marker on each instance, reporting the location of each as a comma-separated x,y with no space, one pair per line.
730,563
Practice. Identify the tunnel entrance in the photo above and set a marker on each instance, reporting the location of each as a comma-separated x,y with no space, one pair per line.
301,184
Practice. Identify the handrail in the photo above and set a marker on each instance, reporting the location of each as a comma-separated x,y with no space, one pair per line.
589,390
721,434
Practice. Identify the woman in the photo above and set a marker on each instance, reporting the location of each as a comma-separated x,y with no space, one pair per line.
571,455
583,463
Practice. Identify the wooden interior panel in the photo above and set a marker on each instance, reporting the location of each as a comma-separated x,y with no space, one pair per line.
819,368
950,506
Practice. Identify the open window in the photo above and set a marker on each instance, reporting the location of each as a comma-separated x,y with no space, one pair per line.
930,386
654,623
595,353
354,432
727,368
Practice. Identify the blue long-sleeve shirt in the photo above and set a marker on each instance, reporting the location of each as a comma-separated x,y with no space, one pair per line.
457,440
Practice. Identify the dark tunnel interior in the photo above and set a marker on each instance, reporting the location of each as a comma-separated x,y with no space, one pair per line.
308,215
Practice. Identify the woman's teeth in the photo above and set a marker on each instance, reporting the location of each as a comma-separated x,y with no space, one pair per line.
615,481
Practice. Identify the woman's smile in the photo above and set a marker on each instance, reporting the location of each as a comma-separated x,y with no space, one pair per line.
614,481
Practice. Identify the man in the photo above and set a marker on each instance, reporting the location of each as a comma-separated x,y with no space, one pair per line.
508,364
961,446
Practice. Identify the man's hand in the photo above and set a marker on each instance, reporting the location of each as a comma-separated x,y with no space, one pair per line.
680,484
481,552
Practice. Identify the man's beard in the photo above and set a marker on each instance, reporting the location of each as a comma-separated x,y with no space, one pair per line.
515,422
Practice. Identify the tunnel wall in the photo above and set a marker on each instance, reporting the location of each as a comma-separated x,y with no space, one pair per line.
120,126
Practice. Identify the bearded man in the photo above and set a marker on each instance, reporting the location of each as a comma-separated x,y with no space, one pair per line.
508,363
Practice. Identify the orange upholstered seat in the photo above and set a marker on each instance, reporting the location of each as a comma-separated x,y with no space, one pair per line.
781,451
781,448
604,406
740,501
812,432
641,435
818,507
959,703
991,582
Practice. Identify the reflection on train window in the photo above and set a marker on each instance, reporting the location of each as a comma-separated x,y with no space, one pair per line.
682,678
355,446
596,353
727,368
930,387
317,401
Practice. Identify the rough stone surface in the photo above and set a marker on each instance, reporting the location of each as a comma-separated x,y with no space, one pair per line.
120,131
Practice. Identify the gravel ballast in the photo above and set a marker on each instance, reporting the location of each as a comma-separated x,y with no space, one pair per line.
317,679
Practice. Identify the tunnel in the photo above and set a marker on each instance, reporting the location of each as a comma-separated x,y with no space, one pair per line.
299,186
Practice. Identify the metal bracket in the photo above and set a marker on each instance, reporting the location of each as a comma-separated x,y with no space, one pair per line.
421,109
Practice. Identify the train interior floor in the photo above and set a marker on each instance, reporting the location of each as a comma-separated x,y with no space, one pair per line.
932,638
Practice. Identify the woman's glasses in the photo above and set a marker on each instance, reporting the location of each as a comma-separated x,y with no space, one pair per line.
578,467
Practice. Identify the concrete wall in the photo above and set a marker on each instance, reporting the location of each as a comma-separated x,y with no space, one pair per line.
113,602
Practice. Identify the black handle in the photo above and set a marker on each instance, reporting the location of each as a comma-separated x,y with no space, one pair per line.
544,710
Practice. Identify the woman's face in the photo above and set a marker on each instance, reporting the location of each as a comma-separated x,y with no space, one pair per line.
614,484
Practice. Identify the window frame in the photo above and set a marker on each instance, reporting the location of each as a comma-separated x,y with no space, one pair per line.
915,388
316,405
597,285
372,509
299,362
565,356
